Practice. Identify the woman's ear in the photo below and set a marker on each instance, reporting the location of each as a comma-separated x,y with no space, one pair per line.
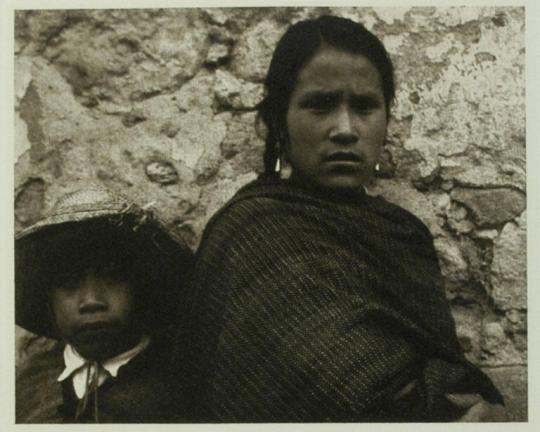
283,152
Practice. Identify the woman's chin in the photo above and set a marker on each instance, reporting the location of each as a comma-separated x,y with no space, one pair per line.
345,183
334,180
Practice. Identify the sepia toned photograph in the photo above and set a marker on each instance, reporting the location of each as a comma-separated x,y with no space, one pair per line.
270,215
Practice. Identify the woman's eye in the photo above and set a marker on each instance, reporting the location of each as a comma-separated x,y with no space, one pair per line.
363,109
365,106
319,104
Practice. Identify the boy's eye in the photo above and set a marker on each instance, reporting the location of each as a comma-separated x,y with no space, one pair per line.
112,272
66,282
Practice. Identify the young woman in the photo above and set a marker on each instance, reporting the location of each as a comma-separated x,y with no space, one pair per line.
313,300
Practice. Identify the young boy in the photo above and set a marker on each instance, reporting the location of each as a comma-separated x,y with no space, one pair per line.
104,278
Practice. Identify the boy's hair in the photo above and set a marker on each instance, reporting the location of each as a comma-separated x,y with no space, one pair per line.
113,252
93,229
100,247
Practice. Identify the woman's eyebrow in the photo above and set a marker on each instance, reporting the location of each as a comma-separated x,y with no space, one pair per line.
367,97
317,94
361,96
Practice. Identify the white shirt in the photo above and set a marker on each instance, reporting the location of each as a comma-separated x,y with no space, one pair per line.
77,366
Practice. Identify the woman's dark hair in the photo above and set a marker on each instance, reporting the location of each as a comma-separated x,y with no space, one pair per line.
295,48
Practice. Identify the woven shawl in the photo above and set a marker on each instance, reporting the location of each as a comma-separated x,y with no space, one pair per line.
314,308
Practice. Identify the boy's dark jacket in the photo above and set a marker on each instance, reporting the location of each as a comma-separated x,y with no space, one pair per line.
139,394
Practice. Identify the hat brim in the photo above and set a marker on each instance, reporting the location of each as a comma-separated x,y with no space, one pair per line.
31,298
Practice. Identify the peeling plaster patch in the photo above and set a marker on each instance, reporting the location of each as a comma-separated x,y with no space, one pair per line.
198,134
434,152
169,129
426,148
30,202
449,163
491,206
161,171
499,20
509,268
488,234
455,16
217,54
368,20
484,56
391,14
133,117
453,265
30,110
217,16
18,46
366,16
262,39
225,190
23,77
479,174
392,43
472,95
440,51
238,94
506,44
22,144
406,196
197,94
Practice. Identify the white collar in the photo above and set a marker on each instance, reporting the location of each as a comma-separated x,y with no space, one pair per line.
77,366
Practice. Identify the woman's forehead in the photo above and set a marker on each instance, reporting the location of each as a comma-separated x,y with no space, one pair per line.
331,69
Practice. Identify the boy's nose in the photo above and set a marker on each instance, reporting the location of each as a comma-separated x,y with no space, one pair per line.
91,306
91,299
343,130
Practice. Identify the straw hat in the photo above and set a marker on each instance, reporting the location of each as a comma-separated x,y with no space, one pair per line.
96,205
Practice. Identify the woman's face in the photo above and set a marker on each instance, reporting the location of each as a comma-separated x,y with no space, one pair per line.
336,120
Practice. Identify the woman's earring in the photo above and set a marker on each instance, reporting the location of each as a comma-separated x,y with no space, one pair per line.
277,168
377,167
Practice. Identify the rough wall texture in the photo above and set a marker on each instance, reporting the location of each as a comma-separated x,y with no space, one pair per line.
159,104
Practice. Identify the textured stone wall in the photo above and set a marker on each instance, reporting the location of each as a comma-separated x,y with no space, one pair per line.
159,104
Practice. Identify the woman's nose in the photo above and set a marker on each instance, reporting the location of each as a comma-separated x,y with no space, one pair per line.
343,130
90,297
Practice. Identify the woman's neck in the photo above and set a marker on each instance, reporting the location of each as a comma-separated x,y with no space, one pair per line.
338,194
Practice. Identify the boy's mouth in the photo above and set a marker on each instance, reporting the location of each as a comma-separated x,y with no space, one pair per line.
94,329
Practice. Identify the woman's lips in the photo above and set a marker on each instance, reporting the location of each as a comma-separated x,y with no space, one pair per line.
342,157
348,161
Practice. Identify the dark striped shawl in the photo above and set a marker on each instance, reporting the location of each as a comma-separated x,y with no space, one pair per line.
315,308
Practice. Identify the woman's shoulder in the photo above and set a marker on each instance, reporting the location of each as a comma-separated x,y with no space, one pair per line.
255,198
397,213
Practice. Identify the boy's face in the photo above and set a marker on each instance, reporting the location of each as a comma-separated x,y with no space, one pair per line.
95,314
